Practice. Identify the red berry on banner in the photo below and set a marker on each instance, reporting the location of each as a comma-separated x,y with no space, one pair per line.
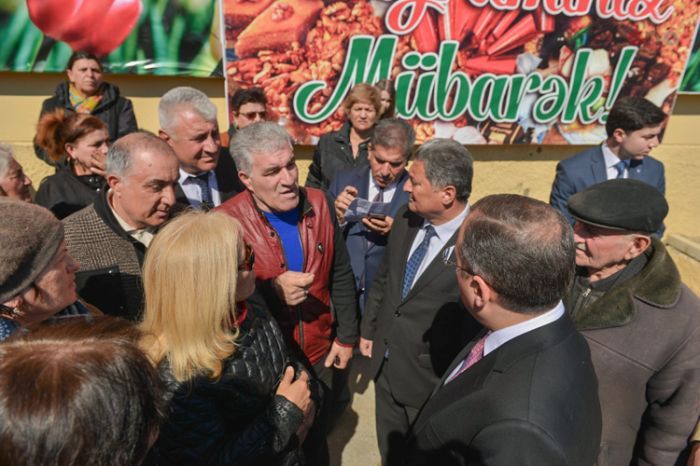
96,26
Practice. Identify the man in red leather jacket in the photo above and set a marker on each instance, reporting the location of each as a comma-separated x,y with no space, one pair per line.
301,263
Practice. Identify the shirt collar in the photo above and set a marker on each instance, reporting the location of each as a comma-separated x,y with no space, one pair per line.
610,158
142,235
502,336
447,229
185,177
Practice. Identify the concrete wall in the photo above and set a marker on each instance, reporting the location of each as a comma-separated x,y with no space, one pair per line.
527,170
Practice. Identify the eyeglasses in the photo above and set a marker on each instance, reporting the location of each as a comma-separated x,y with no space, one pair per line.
251,115
249,259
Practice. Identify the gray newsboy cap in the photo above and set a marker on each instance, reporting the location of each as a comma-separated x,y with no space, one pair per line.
29,240
620,204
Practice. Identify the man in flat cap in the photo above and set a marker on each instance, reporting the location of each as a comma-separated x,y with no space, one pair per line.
641,322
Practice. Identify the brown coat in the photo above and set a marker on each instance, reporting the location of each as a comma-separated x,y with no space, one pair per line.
644,336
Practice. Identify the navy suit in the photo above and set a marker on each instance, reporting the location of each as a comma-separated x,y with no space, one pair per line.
365,256
588,168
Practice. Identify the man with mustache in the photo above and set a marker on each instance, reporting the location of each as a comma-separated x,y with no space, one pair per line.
382,180
301,260
641,322
414,324
109,238
188,124
633,128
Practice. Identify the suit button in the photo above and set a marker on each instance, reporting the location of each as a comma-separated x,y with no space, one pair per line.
397,313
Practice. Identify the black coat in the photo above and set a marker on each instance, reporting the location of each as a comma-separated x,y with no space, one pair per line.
226,177
64,193
423,332
115,111
236,419
532,401
333,153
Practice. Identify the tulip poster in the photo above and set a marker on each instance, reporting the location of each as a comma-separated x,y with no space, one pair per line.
477,71
164,37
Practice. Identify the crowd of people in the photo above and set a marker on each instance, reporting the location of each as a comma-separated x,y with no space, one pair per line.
166,300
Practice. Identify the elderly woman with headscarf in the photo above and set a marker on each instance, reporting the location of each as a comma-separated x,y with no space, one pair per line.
86,92
37,275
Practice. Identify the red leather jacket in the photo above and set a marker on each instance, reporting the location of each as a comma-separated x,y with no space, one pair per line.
309,324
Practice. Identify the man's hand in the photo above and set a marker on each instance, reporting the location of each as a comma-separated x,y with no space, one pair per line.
342,202
365,347
338,356
293,287
381,226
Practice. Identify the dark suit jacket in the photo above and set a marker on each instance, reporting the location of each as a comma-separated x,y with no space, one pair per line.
532,401
588,168
226,177
422,332
365,256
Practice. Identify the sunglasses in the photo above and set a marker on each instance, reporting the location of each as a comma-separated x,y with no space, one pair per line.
249,259
252,115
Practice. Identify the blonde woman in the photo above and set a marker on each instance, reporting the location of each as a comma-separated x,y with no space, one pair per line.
235,400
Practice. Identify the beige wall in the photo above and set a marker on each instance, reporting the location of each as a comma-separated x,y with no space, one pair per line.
527,170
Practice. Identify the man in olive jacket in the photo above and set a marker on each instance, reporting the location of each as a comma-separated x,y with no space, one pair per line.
641,322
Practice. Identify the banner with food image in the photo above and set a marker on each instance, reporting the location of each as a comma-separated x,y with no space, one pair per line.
162,37
478,71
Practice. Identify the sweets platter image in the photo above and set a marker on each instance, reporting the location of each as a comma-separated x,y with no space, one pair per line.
478,71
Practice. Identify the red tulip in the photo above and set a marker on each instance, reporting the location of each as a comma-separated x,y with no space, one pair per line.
97,26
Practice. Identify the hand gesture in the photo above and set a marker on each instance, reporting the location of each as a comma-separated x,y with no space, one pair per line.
366,347
381,226
342,202
338,356
297,391
293,287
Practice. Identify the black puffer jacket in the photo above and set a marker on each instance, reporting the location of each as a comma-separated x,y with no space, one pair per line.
237,419
64,192
115,111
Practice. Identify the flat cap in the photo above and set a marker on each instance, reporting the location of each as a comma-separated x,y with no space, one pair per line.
620,204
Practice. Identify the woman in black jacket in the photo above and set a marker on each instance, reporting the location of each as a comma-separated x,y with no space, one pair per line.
235,399
86,92
78,144
347,147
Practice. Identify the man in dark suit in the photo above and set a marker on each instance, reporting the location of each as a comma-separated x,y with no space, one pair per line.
188,124
413,323
633,129
381,181
525,392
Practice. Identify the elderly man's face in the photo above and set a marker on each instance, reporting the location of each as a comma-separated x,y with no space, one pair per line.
15,184
424,199
601,250
386,164
274,181
196,142
146,193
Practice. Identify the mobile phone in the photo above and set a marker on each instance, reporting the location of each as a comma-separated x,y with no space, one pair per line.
377,216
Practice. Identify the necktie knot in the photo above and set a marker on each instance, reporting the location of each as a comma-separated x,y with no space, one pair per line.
621,166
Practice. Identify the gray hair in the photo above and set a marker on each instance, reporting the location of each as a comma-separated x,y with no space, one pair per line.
523,248
448,163
6,155
119,155
259,138
393,133
173,102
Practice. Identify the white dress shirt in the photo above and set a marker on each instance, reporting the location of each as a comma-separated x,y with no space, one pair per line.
142,235
192,191
443,233
500,337
374,189
610,161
